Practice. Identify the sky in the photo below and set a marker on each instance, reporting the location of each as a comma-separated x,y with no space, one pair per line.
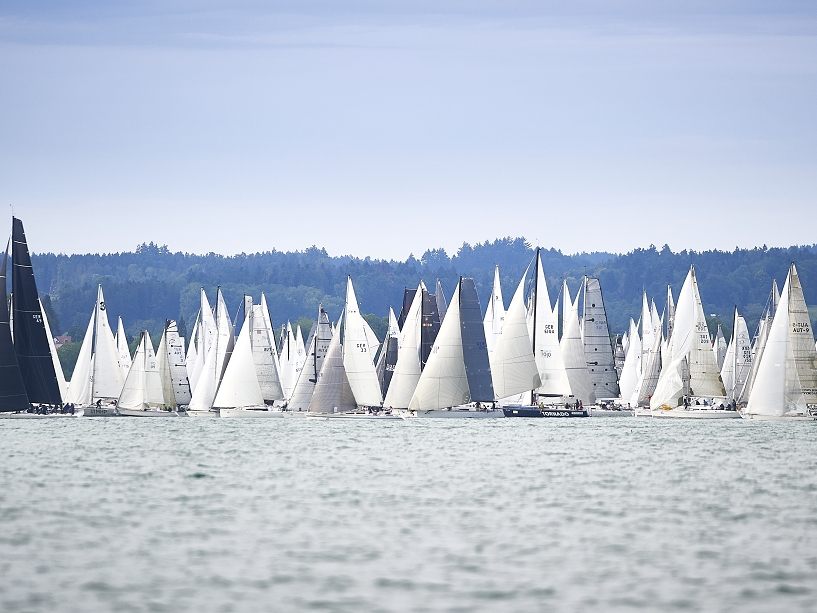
384,128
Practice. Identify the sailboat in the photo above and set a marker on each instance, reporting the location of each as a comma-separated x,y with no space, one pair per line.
494,314
218,340
598,350
387,358
785,386
357,342
316,348
251,383
55,358
192,354
172,368
651,359
409,363
690,386
738,359
759,342
289,360
97,380
143,393
719,347
456,379
13,396
122,349
573,354
36,363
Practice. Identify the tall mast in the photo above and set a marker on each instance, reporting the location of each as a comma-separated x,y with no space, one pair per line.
93,345
535,301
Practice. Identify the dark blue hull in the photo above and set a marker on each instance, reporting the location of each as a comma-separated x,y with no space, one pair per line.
533,411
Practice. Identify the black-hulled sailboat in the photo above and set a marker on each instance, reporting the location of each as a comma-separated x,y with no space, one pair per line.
31,343
13,396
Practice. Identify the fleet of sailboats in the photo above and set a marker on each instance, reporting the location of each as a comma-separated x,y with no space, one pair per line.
439,358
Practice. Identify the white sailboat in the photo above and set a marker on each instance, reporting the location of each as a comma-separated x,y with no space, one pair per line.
192,352
387,358
408,368
631,371
358,358
785,387
690,386
457,373
122,349
572,348
289,361
172,368
239,387
738,360
142,395
317,346
218,341
719,347
494,314
651,362
759,343
97,378
598,350
513,367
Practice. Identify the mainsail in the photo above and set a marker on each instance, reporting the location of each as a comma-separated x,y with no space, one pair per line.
408,367
572,348
13,396
358,358
494,314
143,385
122,349
218,341
30,338
333,392
598,350
171,365
786,381
387,359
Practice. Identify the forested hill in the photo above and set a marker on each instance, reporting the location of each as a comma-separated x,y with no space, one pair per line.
150,284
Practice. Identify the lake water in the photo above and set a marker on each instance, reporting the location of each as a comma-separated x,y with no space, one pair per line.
423,515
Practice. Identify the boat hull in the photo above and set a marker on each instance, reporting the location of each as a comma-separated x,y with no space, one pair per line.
357,416
251,413
94,411
682,413
594,412
150,413
211,413
34,415
778,417
538,412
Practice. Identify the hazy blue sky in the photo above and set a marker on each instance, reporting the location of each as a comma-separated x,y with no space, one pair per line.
384,128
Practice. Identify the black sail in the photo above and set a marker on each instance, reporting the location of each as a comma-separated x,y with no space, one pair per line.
30,338
429,326
474,347
13,395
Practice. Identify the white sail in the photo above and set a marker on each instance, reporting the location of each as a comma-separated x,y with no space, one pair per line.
79,390
288,359
439,295
513,367
143,386
55,358
408,368
172,369
651,368
738,360
239,386
217,355
494,314
265,356
719,347
333,392
443,382
631,371
358,361
318,344
693,370
786,381
598,350
122,349
191,357
543,327
573,350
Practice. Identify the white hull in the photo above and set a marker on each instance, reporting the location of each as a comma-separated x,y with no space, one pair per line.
94,411
778,417
682,413
642,412
455,414
357,416
150,413
595,412
252,413
210,413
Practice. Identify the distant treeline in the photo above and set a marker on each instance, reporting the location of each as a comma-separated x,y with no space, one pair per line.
151,284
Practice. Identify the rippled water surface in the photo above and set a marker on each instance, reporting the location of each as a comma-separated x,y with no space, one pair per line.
422,515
